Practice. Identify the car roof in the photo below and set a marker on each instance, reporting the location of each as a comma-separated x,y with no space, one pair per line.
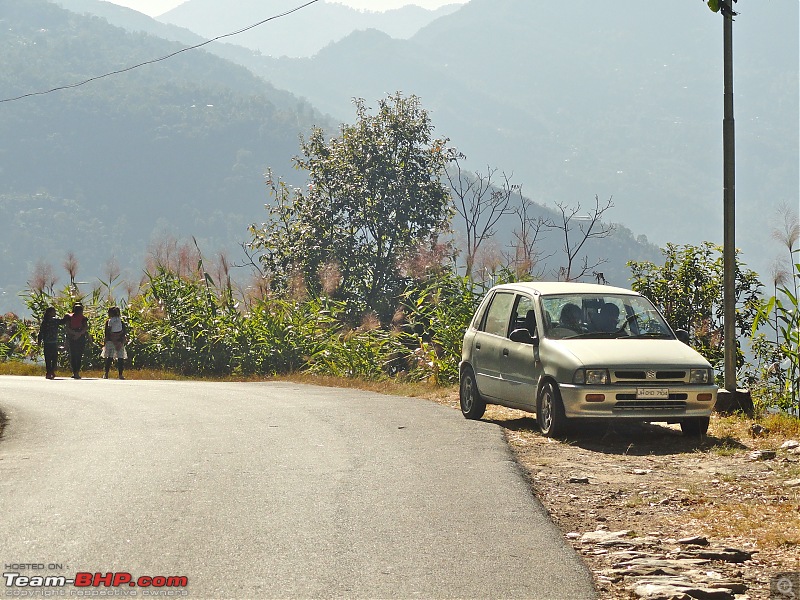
562,287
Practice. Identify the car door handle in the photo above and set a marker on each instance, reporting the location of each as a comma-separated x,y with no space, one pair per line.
477,346
505,351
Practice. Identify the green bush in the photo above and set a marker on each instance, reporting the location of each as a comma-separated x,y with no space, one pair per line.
440,311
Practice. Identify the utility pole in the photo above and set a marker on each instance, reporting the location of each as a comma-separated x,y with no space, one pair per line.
730,399
729,205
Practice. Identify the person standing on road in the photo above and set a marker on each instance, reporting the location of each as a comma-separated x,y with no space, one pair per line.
77,327
48,339
116,334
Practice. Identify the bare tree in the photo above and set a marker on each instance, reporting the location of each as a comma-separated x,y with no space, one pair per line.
481,203
525,255
590,226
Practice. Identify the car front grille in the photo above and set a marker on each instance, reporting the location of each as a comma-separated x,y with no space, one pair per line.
634,405
651,375
625,397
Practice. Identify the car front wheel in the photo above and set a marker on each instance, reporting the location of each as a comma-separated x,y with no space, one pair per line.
550,411
472,405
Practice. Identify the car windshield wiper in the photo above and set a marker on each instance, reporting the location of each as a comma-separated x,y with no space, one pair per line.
618,335
600,335
653,334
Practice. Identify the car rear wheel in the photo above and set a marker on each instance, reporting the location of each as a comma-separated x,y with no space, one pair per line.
550,411
695,427
472,405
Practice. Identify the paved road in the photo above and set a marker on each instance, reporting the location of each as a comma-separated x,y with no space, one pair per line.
269,490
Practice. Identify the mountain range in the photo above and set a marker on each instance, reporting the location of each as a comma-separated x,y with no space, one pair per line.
575,100
301,34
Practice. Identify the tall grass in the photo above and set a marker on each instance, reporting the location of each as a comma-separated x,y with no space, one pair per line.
777,375
181,320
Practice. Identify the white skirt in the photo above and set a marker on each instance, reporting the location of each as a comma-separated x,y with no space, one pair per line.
114,350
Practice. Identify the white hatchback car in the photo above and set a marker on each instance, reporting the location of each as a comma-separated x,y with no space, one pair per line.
582,351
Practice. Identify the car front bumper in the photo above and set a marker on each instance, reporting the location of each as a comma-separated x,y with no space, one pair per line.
638,402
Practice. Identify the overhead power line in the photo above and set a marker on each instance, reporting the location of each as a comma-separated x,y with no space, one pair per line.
155,60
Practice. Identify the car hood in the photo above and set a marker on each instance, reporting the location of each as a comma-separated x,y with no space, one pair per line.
642,352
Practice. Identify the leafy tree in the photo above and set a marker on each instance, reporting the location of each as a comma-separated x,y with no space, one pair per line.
374,197
688,290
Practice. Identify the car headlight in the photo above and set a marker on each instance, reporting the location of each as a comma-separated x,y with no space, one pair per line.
699,376
591,377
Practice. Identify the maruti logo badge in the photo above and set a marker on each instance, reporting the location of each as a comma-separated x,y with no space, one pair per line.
651,374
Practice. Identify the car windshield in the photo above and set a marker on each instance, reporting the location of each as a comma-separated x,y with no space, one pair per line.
602,316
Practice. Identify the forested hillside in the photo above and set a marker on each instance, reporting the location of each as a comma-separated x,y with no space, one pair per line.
174,148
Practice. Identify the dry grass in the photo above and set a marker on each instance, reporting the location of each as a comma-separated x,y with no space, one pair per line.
19,368
33,370
763,432
769,513
781,426
394,388
431,391
769,523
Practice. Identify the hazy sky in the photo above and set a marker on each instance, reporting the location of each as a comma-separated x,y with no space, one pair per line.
157,7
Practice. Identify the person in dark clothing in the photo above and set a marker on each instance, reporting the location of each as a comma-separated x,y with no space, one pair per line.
116,334
48,339
608,317
572,317
77,327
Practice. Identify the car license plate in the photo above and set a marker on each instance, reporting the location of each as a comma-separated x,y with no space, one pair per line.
654,393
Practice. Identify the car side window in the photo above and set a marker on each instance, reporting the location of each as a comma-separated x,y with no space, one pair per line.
524,315
499,314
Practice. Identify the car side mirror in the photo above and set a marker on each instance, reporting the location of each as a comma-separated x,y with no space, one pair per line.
682,335
522,336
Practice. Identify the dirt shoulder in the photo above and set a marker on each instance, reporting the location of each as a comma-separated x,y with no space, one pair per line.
657,515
